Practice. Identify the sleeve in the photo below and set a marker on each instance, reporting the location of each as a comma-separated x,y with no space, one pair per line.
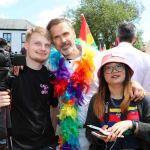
53,100
3,132
92,120
146,68
144,124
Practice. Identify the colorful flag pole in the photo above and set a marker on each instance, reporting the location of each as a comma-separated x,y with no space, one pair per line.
85,33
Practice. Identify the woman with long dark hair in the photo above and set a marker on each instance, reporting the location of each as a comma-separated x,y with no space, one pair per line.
126,123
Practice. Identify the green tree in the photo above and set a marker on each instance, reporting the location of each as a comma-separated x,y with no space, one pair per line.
139,44
103,16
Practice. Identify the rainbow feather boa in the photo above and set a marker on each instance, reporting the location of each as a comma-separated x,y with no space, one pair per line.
71,88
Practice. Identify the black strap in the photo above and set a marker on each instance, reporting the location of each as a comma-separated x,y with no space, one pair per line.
106,114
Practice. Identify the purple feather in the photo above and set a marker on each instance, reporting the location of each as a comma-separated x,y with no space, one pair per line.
62,72
79,96
75,93
67,146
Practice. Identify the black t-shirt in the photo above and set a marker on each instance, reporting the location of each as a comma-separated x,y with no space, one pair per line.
32,95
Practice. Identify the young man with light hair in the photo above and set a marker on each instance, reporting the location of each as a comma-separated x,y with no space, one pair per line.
32,95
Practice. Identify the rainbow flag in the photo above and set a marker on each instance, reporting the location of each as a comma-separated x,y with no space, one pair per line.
85,33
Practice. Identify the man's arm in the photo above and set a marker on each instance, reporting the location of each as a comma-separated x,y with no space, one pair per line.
137,91
143,131
54,112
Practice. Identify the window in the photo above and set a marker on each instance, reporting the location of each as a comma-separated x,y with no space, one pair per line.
7,37
22,39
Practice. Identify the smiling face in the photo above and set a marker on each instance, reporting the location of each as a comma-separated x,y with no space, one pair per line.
38,48
114,73
63,37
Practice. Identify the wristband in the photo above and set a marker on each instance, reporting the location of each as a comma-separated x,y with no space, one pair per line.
134,125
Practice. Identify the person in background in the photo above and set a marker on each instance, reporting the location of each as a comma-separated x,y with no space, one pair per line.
139,61
23,51
111,109
5,123
32,94
75,65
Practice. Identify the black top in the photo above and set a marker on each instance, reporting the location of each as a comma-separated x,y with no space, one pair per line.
32,95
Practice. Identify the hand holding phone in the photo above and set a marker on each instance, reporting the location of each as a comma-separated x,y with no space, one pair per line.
98,135
100,130
101,133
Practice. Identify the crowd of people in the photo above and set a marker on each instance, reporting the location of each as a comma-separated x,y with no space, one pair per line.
85,87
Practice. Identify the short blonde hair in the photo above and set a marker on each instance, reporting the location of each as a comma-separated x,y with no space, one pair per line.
37,29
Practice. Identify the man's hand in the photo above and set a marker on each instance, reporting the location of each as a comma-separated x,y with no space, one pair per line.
137,92
16,70
4,98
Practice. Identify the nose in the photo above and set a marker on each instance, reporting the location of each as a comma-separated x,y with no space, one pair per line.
63,39
43,47
114,69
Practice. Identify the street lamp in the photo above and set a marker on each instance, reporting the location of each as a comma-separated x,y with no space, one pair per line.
101,42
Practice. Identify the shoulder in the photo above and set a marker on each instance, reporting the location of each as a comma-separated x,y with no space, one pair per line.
44,69
146,99
52,76
145,102
143,107
93,99
48,73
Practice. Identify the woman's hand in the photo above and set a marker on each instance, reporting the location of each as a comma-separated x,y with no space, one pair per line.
105,138
119,128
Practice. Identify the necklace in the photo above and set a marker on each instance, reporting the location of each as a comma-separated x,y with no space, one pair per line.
70,87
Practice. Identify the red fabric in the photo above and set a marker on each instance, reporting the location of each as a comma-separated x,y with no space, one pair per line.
84,30
133,115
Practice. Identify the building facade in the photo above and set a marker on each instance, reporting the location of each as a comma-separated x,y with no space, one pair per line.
13,31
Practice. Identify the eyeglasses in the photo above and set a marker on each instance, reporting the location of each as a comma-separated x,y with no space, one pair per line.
110,69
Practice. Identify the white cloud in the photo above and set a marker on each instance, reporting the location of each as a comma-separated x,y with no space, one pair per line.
7,2
46,15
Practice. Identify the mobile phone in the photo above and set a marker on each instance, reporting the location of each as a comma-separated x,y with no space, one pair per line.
100,130
98,135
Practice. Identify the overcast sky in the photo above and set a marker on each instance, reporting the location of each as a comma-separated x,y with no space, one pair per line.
39,12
